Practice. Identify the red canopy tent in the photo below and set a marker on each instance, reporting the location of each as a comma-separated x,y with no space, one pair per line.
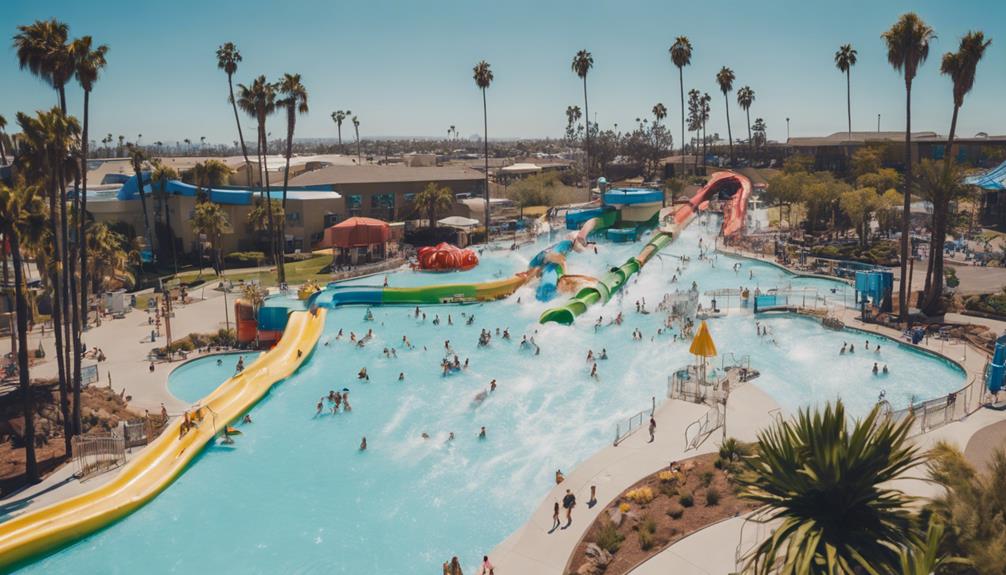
357,232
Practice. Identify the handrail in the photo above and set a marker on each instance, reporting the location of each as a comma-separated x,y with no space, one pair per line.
634,422
706,428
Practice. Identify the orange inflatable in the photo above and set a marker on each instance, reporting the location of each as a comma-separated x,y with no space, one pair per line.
444,257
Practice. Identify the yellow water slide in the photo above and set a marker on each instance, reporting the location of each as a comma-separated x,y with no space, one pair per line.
161,462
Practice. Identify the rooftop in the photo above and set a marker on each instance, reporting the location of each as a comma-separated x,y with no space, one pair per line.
843,138
370,174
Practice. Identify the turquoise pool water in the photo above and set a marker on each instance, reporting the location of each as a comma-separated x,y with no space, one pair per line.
295,495
195,379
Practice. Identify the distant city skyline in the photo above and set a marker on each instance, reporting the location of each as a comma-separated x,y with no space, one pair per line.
405,68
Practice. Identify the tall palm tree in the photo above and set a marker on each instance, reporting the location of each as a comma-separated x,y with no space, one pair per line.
746,97
706,109
483,76
725,79
210,220
960,66
681,56
695,120
573,115
42,49
159,179
137,159
294,100
47,137
89,64
339,116
825,483
18,205
907,48
259,101
228,57
582,63
3,148
356,128
845,59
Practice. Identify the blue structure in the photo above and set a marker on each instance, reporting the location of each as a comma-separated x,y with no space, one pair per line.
997,369
227,195
994,179
875,287
629,196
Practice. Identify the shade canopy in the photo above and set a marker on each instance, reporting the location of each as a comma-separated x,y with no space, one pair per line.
703,344
458,222
357,232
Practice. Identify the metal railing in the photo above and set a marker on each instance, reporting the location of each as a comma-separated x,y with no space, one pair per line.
624,429
700,429
96,453
935,413
687,384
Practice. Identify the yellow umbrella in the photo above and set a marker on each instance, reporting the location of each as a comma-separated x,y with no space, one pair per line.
703,346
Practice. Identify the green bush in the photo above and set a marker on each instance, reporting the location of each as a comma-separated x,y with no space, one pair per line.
244,259
987,303
646,540
686,500
712,497
707,478
676,512
608,537
951,277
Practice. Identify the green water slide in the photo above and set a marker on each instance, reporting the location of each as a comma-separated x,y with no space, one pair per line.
606,286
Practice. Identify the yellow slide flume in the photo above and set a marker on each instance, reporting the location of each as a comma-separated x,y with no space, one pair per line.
165,458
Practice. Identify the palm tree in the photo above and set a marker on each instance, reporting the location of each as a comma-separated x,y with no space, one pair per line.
845,59
483,76
295,101
759,128
42,49
259,101
137,159
258,217
45,158
907,48
338,117
681,56
433,199
825,484
228,57
211,220
110,266
573,115
725,79
582,63
706,109
694,120
356,128
18,205
159,179
960,66
3,148
89,64
746,97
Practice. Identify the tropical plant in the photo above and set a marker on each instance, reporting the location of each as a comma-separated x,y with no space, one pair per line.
582,63
137,159
294,100
18,205
972,508
483,76
113,258
759,130
258,217
211,220
339,116
3,147
432,200
228,58
826,485
845,59
960,66
356,129
259,101
725,79
681,56
746,97
907,44
573,116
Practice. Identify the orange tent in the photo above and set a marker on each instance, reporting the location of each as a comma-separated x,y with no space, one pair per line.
357,232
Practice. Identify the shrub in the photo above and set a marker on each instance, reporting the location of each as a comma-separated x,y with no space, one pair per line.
707,478
667,476
608,537
668,489
686,500
624,507
244,259
675,512
646,540
641,495
712,497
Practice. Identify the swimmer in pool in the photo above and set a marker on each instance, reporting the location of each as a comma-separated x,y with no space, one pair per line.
482,433
363,444
875,368
401,376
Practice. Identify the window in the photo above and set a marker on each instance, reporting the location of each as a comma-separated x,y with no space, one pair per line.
353,204
293,219
382,201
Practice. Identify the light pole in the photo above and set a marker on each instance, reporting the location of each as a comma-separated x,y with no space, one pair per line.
878,123
787,129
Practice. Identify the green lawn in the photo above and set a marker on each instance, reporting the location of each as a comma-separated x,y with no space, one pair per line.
315,268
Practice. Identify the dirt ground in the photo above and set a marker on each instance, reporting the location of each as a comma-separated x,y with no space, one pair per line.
667,518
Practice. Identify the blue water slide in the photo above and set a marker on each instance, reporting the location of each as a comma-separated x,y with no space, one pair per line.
576,219
336,295
997,369
548,284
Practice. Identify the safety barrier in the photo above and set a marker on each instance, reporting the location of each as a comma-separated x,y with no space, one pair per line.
935,413
96,453
634,422
699,430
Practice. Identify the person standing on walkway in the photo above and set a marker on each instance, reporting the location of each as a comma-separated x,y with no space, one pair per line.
569,502
653,428
555,516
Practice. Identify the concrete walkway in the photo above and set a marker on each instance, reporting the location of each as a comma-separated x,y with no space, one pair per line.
533,548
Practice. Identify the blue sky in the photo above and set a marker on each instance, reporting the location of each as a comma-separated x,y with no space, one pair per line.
405,67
